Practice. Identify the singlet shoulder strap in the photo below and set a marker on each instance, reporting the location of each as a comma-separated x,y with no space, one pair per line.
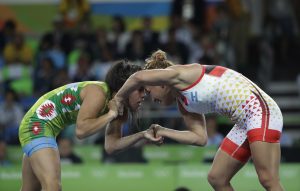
197,81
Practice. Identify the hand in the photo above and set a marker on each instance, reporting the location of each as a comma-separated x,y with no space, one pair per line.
113,109
157,129
149,134
119,104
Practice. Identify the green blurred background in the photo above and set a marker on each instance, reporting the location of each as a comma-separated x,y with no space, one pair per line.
169,167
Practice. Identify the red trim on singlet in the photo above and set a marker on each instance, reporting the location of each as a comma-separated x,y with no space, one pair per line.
240,153
272,136
260,133
180,106
198,80
217,71
264,133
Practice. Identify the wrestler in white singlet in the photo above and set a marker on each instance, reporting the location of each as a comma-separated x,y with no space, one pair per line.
256,116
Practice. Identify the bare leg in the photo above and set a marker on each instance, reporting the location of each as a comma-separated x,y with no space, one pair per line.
29,180
46,166
266,159
224,167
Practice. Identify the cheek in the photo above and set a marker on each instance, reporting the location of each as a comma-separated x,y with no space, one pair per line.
131,101
133,98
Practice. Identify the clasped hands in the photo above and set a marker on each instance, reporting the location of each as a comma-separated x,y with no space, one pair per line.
153,134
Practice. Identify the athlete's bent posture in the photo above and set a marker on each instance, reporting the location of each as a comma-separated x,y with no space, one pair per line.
201,89
84,103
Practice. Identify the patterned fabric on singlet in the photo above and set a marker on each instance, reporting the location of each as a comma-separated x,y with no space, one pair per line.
55,110
256,115
229,93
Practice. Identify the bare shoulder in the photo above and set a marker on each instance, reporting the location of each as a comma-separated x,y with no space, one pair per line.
92,89
188,73
188,68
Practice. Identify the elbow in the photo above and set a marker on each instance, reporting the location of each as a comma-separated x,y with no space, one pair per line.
109,149
201,141
80,134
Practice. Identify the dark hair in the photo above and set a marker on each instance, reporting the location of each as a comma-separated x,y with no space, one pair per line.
116,77
119,73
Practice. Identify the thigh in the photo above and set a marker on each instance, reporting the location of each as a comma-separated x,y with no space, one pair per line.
29,180
225,166
264,122
46,164
236,144
266,157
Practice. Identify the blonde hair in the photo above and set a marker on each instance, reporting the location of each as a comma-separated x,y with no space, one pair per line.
158,60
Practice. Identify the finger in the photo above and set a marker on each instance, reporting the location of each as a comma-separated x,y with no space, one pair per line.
154,139
161,142
155,130
161,139
152,126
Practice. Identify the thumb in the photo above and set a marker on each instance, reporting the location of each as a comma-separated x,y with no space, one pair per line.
152,138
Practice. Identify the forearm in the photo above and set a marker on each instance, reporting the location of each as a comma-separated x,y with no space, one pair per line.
184,137
89,127
129,86
114,144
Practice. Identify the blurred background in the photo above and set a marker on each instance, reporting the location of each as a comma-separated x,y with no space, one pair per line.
45,44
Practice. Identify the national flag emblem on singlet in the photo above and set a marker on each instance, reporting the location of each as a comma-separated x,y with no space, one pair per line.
46,110
36,128
68,99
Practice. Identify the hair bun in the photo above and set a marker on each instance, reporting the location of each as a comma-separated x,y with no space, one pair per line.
159,56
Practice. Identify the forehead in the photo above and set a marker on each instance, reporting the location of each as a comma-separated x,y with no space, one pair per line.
149,88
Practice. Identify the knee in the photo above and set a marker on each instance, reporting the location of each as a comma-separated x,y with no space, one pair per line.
268,180
215,179
52,183
211,178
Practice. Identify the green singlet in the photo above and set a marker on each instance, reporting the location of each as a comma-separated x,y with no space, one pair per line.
55,110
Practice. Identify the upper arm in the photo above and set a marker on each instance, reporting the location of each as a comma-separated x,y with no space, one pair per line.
93,101
194,122
168,76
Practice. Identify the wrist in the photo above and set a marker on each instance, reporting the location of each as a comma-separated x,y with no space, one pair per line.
161,132
118,98
143,134
112,114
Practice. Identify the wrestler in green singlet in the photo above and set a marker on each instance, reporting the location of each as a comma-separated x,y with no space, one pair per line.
54,111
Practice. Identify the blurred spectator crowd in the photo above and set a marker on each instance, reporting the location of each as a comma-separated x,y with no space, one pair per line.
258,38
